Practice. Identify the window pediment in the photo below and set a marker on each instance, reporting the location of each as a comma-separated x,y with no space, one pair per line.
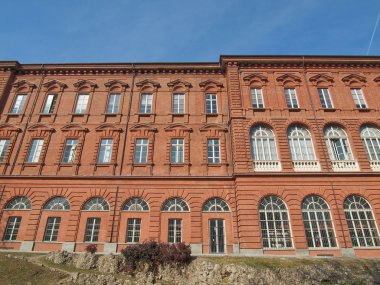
148,82
40,127
141,127
377,80
85,83
179,83
210,83
54,83
9,128
73,127
178,127
255,78
321,78
354,79
24,84
288,78
116,83
209,127
110,127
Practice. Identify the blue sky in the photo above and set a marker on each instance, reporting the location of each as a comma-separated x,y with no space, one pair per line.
47,31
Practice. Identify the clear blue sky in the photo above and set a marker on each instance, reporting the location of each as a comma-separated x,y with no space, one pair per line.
46,31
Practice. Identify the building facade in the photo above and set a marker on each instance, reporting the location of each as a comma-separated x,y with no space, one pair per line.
251,155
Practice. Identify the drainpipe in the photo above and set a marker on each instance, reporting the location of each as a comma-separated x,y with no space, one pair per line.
114,213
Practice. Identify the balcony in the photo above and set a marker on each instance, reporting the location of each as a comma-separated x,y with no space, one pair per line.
267,165
306,165
344,165
375,165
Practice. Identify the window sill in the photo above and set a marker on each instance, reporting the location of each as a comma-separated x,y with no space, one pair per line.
145,114
328,109
142,164
294,109
14,114
178,114
364,110
111,114
211,114
79,114
178,164
219,164
47,114
98,164
259,109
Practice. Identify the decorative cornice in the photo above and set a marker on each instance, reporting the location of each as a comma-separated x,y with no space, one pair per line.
178,126
85,82
21,83
147,82
348,80
113,83
258,77
54,82
211,82
179,82
288,77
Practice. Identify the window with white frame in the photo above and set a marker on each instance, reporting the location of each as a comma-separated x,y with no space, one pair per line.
371,140
257,98
35,150
57,204
263,144
213,151
146,103
361,222
18,104
19,203
216,205
96,204
81,106
274,223
11,230
178,103
136,205
52,228
113,103
174,230
50,102
358,97
337,144
69,151
3,148
141,151
318,224
211,104
92,230
324,97
300,143
177,151
133,230
105,151
291,98
175,205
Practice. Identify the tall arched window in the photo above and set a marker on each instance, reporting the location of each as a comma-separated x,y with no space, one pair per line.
318,223
337,143
175,205
361,222
371,140
96,204
216,205
300,143
57,203
274,223
19,203
136,205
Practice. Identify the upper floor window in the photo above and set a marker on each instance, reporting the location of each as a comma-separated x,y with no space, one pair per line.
81,105
257,98
50,104
300,143
175,205
35,150
57,204
211,104
105,150
324,97
69,151
358,97
136,205
371,141
3,148
263,144
146,103
141,151
96,204
18,104
177,153
113,103
19,203
291,98
337,144
213,151
178,103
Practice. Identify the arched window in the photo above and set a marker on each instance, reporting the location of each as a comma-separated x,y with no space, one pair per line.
175,205
263,144
300,143
361,222
318,223
216,205
96,204
57,203
274,223
136,205
337,143
371,141
19,203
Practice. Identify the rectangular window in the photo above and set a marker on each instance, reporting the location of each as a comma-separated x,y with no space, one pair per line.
213,151
358,97
146,103
175,230
178,103
324,97
291,98
3,148
50,104
141,151
18,104
105,151
12,228
113,104
81,106
133,230
257,98
69,152
177,151
92,230
35,150
211,104
52,227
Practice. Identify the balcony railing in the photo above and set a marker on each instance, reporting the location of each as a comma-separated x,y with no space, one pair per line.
306,165
267,165
375,165
345,165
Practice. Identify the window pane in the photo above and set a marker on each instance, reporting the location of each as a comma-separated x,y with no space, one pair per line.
175,230
92,230
358,97
141,151
52,227
324,97
257,98
177,155
105,151
133,230
178,103
50,104
146,103
3,148
35,150
291,98
113,104
11,231
18,105
81,106
69,152
213,151
211,104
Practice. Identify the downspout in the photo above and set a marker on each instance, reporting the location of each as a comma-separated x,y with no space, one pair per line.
114,213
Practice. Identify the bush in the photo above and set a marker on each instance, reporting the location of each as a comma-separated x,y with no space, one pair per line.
91,248
155,254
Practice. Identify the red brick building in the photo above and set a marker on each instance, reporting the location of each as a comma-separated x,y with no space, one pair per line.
251,155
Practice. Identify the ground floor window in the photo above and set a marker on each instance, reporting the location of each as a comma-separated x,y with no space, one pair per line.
12,228
92,230
216,232
175,230
52,227
133,230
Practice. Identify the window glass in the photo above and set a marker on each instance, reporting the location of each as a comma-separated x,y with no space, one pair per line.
3,148
211,104
177,155
105,151
81,105
113,104
141,151
35,150
146,103
18,104
50,104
